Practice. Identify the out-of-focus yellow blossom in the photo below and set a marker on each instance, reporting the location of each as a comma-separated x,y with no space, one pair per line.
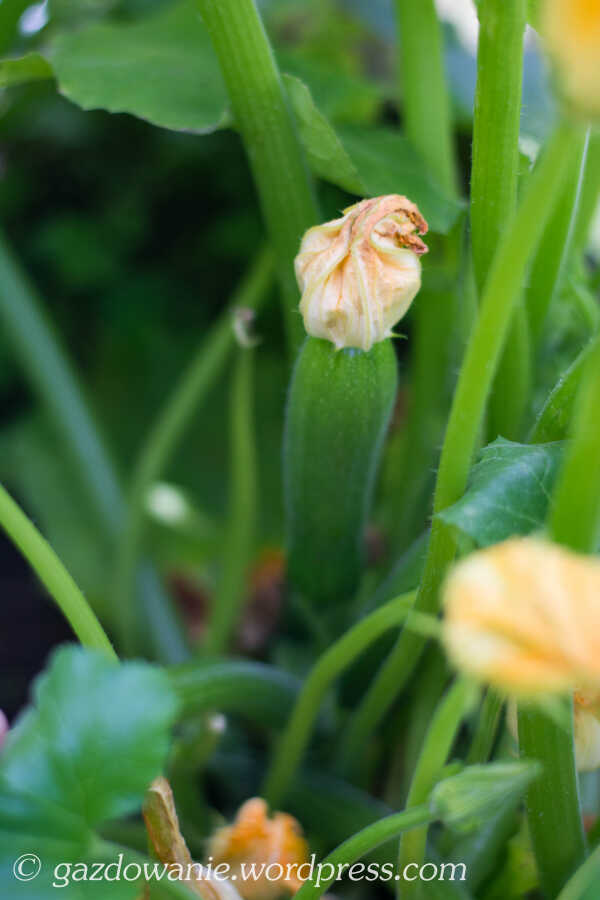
359,274
524,615
571,29
255,838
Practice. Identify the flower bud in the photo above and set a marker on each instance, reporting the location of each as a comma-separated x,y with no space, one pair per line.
256,838
359,274
571,29
523,615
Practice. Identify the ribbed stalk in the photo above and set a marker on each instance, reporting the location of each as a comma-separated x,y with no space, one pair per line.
264,119
502,291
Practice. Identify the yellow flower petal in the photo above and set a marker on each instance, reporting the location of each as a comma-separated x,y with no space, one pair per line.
524,615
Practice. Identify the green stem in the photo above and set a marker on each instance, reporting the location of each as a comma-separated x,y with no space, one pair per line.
553,799
556,244
48,370
487,728
553,804
266,123
411,464
495,169
53,575
170,425
427,121
425,98
240,534
575,513
588,199
293,742
436,747
362,843
35,343
477,372
257,691
587,875
494,182
555,416
512,388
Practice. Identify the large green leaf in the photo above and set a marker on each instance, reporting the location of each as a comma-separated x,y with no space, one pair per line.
162,69
367,160
509,491
18,70
95,738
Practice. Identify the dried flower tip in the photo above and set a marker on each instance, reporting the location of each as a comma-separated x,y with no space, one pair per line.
571,29
256,838
523,615
242,324
359,274
171,849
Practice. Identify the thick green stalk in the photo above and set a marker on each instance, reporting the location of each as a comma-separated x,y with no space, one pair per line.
487,728
359,845
46,367
427,121
294,740
241,525
410,465
485,345
554,814
423,88
257,691
266,123
575,512
53,575
437,745
495,170
555,416
588,199
171,423
494,180
556,245
553,804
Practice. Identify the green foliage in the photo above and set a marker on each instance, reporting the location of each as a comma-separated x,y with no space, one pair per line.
84,753
162,70
464,802
31,67
508,493
367,160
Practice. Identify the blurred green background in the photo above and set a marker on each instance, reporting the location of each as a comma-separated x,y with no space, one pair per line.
135,238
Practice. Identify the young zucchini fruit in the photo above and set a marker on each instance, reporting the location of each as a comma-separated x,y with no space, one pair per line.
358,276
339,408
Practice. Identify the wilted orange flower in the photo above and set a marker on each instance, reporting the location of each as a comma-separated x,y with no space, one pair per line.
359,274
524,615
254,838
572,32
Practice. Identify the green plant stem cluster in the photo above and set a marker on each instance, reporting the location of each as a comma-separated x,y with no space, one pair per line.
264,118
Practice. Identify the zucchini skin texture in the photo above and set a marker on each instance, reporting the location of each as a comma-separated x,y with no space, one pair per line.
339,407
